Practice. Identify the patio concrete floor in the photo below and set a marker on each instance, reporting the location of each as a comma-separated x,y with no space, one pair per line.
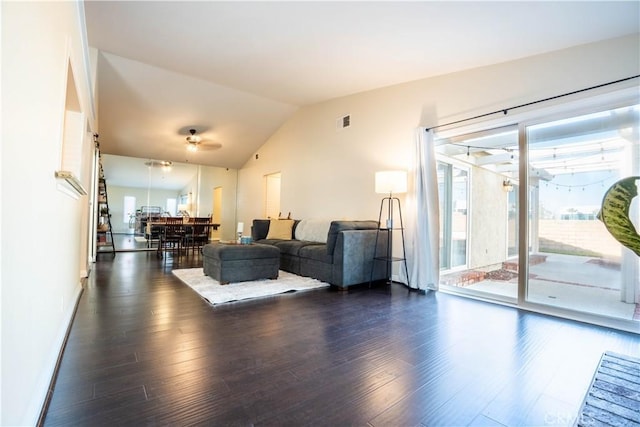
568,281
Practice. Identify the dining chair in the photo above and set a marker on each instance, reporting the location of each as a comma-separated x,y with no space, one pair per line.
173,235
201,236
153,232
198,235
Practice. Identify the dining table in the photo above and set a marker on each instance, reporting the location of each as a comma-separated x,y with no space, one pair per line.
188,227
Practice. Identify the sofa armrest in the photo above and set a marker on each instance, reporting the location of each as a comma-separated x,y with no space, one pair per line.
338,227
353,257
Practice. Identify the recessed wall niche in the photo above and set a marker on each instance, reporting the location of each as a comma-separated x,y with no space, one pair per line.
73,133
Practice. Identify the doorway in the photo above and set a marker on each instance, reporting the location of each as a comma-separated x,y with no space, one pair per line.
272,195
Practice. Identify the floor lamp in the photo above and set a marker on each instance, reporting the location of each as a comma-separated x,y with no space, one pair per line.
391,182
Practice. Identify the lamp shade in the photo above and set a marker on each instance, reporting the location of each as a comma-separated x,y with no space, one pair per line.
388,182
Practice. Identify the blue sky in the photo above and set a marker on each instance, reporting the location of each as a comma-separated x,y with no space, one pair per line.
573,190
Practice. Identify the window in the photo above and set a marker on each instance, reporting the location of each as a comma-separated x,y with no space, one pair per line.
172,206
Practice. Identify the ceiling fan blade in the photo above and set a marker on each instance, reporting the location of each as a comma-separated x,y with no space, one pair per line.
212,146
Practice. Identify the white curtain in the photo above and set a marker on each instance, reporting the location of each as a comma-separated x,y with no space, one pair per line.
422,221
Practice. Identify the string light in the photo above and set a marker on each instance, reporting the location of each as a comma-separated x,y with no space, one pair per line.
569,186
530,149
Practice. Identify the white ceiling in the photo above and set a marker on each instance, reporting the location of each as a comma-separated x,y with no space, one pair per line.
236,71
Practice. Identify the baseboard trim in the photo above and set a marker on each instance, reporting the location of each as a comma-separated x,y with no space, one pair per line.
54,376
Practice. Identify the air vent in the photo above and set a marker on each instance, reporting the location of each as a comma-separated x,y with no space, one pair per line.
343,122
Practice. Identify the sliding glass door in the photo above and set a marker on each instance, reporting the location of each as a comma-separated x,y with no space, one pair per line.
557,255
477,175
575,263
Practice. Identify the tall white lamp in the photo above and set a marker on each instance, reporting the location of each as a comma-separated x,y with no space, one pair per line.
391,182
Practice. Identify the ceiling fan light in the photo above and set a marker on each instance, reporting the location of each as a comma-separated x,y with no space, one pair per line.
163,164
193,138
192,146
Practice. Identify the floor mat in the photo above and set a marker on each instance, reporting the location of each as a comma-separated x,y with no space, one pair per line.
613,398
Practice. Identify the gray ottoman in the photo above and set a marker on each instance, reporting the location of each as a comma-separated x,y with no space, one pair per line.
238,263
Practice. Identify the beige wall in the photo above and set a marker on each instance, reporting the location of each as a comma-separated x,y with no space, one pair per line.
329,173
44,243
488,228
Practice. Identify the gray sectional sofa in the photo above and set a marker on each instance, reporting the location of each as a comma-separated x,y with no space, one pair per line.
343,258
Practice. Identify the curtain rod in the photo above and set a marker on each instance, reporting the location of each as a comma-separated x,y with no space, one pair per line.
505,110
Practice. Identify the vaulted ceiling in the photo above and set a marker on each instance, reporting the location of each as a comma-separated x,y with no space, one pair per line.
236,71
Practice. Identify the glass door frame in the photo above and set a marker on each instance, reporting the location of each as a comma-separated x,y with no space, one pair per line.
447,236
525,225
558,110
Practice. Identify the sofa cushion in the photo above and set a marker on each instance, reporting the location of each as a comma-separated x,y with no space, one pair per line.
313,230
338,226
271,242
280,229
292,247
316,252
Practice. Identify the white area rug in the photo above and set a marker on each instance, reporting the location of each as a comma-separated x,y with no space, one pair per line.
215,293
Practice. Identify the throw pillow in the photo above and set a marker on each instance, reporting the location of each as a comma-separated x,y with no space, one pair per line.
280,229
313,230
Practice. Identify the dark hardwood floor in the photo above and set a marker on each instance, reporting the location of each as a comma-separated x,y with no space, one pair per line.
144,349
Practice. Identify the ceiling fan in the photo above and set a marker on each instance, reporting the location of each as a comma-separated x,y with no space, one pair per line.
193,140
195,143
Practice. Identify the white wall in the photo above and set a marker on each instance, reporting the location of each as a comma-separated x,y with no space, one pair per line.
329,173
44,234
